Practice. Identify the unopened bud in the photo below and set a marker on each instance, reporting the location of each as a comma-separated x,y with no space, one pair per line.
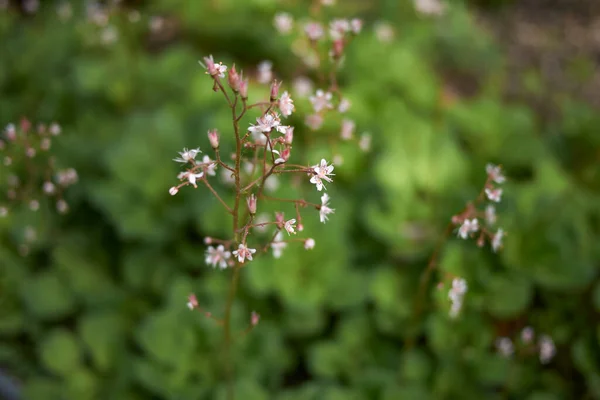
309,244
234,79
207,240
275,90
338,49
25,125
300,227
49,187
213,138
173,191
285,154
289,135
62,206
30,152
11,132
356,25
244,88
254,318
192,301
252,204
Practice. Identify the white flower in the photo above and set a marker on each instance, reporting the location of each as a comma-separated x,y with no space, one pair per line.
266,123
384,31
321,100
278,245
283,22
265,72
49,187
344,105
325,210
289,226
309,244
338,28
430,7
547,349
356,25
365,141
173,190
495,173
494,194
243,252
321,172
187,155
302,86
191,177
217,256
505,346
286,104
497,240
314,121
314,30
456,294
348,127
467,227
209,166
527,334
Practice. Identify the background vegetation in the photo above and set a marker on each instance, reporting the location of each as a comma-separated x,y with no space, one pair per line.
97,309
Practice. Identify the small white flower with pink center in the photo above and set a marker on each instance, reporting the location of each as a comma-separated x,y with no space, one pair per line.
266,123
322,172
338,28
265,72
468,226
497,240
243,253
348,127
278,245
314,30
218,256
191,177
547,349
303,86
187,155
495,173
289,226
344,105
286,104
494,194
505,346
325,209
214,69
309,244
283,23
314,121
209,166
321,100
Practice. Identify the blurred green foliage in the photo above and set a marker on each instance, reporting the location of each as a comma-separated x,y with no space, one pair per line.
98,310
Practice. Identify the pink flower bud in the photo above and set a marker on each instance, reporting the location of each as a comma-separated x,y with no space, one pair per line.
11,132
213,138
275,90
30,152
192,301
289,135
309,244
25,125
207,240
300,227
234,79
254,318
338,49
252,204
173,191
244,88
285,154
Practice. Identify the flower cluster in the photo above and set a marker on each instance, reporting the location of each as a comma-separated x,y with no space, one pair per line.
30,176
544,348
468,221
321,44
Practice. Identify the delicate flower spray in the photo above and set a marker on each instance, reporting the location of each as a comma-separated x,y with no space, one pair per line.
30,178
476,221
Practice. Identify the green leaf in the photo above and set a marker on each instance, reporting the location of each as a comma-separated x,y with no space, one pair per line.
47,296
60,352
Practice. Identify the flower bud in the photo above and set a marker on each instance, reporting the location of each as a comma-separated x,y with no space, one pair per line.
309,244
254,318
173,191
356,26
252,204
338,49
244,88
192,301
213,138
275,90
234,79
289,135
